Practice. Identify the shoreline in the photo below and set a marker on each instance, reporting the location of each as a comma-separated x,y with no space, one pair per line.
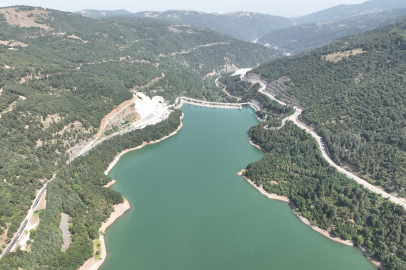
297,122
119,209
255,145
325,233
117,158
109,184
209,105
262,190
303,219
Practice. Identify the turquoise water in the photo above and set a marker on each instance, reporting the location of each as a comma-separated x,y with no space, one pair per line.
190,210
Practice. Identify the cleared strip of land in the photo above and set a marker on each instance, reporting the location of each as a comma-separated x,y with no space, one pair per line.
66,236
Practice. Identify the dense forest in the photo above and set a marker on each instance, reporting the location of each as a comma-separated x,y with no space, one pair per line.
78,191
304,37
353,92
294,167
61,73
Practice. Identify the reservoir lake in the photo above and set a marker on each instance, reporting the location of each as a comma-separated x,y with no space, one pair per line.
191,211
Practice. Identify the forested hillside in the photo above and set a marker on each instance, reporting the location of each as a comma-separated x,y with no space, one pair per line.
77,191
61,73
243,25
342,12
353,91
271,111
294,167
304,37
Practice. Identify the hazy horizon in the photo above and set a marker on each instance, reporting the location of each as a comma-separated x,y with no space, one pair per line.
289,8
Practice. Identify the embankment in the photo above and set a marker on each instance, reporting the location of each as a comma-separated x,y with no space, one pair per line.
117,158
292,205
119,209
308,223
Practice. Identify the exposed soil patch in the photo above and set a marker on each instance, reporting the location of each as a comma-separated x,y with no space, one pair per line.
72,127
350,167
214,73
10,108
128,115
112,113
109,184
323,23
77,148
150,15
3,237
25,18
39,143
13,43
24,79
335,57
51,119
174,30
76,37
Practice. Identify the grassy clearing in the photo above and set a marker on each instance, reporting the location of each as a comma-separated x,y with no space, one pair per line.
98,250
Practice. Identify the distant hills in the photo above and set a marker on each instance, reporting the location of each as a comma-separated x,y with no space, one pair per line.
311,30
60,75
301,38
342,12
243,25
99,14
353,91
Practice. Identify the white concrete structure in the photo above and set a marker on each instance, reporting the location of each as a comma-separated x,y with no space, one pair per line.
151,111
241,71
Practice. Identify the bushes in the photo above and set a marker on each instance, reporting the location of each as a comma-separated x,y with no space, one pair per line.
78,191
357,104
32,234
294,167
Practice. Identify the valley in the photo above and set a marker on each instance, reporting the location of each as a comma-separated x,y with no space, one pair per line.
322,100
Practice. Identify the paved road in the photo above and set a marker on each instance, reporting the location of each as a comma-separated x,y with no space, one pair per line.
89,146
324,149
27,218
204,103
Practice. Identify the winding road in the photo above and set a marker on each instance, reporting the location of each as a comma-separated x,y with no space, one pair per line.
293,118
323,147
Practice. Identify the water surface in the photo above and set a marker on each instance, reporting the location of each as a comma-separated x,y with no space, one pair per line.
191,211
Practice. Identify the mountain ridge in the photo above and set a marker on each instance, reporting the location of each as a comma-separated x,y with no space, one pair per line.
241,24
60,75
303,37
341,12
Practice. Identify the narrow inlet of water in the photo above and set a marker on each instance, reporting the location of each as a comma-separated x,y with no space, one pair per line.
190,210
